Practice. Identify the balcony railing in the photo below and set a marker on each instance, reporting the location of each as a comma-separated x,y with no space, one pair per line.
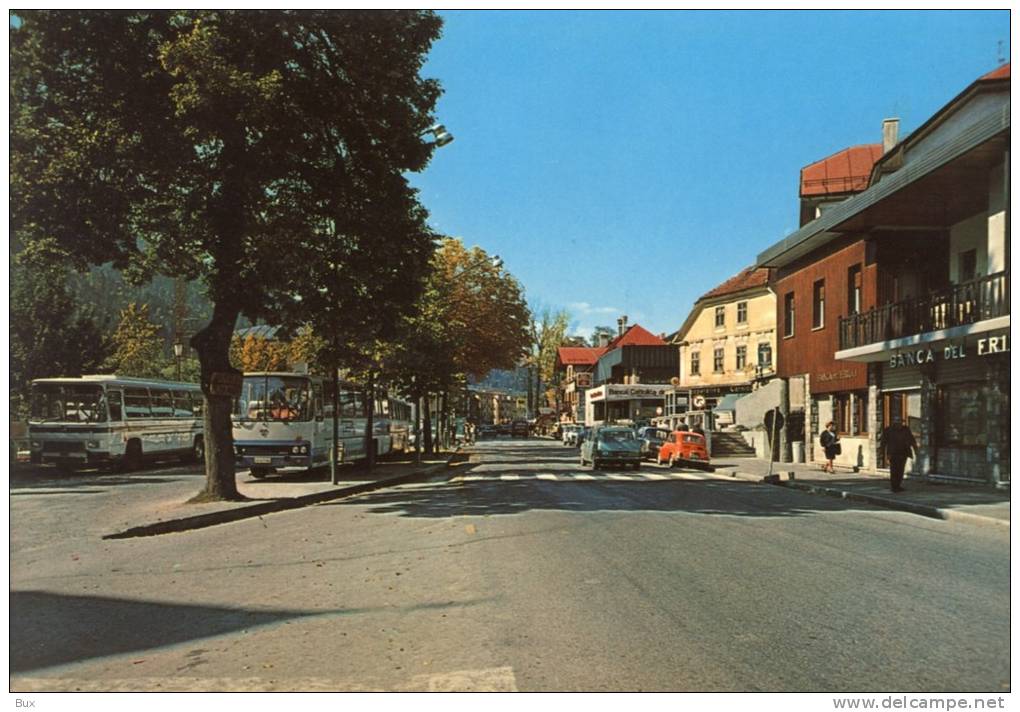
966,303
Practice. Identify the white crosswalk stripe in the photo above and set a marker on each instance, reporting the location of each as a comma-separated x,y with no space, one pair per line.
666,475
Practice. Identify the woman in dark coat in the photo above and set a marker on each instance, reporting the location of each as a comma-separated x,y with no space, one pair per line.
830,443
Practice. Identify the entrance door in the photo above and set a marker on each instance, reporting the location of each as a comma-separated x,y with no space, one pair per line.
906,406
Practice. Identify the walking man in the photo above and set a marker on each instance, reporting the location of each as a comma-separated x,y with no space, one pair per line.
899,444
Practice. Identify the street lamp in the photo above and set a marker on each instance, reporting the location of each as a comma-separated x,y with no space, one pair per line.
442,136
178,352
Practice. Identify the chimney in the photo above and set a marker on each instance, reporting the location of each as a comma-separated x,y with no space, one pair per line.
890,134
619,326
603,340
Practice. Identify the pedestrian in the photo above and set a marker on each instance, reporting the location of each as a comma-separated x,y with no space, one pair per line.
899,444
682,425
831,446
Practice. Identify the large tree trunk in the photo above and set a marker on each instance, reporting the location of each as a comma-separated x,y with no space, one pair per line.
213,346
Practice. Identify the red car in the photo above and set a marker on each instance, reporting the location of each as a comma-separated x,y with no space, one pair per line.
686,449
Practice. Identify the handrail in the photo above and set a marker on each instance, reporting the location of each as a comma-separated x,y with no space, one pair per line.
964,303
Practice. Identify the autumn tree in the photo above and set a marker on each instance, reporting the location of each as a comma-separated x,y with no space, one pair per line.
546,332
136,348
216,145
471,319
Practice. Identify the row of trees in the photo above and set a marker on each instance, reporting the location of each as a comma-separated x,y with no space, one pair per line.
262,153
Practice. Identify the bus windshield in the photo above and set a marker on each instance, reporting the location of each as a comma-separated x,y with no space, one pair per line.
68,403
273,398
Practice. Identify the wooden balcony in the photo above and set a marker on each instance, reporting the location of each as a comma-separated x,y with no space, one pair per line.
961,304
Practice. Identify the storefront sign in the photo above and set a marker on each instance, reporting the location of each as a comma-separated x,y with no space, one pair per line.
583,380
841,375
993,345
918,357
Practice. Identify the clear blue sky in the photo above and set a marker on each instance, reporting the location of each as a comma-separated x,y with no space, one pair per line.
628,162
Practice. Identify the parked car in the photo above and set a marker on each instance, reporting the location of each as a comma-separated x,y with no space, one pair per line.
651,439
570,432
611,444
486,431
685,449
519,429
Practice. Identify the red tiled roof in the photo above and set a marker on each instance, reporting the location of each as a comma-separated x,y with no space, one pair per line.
578,355
747,279
636,335
1000,73
844,172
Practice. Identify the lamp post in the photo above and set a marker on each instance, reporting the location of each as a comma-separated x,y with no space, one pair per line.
178,352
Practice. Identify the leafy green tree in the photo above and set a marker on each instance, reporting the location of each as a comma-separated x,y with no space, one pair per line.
136,348
215,145
51,334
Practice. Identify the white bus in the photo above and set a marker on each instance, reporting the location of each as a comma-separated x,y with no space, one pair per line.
284,421
101,420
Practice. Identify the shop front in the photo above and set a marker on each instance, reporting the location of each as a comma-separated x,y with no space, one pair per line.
954,396
612,403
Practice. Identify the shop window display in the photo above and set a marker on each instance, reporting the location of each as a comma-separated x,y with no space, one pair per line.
962,415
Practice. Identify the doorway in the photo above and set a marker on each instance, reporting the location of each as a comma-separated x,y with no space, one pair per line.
906,406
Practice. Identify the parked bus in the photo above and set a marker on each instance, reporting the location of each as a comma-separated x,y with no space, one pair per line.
284,421
99,420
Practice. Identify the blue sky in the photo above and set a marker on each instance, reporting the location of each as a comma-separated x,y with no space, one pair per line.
627,162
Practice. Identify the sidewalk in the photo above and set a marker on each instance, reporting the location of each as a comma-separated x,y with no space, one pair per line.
173,513
982,504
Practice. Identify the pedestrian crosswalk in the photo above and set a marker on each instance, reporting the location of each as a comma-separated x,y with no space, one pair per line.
596,476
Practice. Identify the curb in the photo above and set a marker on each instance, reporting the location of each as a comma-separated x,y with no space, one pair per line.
923,510
225,516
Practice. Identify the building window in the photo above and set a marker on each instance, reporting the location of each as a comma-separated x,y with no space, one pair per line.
788,314
741,312
968,266
765,355
961,412
695,363
741,358
854,285
717,361
720,316
818,305
850,413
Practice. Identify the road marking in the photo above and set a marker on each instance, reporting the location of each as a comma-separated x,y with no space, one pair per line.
653,476
548,477
584,477
509,478
626,478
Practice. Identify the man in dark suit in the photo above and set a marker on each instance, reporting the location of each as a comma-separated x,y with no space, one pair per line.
899,444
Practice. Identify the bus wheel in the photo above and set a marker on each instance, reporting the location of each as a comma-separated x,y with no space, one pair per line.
132,456
258,472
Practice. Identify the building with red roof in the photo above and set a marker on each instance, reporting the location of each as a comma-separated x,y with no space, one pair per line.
726,343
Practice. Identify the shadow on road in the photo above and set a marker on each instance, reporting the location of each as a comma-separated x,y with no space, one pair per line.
485,497
49,629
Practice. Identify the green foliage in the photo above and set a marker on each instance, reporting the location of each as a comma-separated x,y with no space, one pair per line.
136,346
261,152
51,333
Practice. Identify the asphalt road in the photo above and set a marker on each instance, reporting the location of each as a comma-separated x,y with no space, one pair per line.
521,571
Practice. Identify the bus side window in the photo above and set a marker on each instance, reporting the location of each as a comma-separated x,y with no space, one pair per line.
317,400
182,404
162,403
136,403
113,403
